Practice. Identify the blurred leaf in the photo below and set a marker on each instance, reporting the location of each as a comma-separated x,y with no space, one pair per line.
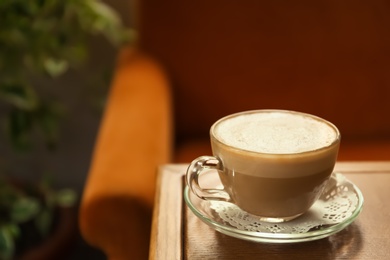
24,209
106,16
66,197
18,94
43,221
55,67
13,230
7,244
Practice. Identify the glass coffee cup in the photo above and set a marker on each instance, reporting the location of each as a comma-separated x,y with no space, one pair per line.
272,163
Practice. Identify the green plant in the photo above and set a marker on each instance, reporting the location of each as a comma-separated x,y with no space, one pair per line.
27,210
41,39
44,38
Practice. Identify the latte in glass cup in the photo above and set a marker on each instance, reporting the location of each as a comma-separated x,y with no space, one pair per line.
273,163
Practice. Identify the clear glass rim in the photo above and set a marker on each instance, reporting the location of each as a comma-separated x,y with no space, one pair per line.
336,141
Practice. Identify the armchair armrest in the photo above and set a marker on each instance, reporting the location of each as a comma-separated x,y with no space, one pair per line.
134,137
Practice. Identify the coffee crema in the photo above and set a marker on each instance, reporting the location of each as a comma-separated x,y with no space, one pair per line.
275,132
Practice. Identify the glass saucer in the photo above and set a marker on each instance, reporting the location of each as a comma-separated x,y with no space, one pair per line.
338,206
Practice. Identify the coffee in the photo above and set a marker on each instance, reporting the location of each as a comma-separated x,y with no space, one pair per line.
284,198
275,162
272,163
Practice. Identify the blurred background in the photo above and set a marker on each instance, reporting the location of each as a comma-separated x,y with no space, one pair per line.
327,58
79,94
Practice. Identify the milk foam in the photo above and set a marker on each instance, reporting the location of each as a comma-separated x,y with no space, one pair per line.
275,132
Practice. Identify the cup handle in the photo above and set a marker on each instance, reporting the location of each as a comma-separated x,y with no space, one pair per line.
195,169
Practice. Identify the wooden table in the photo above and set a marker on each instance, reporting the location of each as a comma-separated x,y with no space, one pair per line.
178,234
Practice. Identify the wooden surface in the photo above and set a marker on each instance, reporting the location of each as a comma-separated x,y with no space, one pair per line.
178,234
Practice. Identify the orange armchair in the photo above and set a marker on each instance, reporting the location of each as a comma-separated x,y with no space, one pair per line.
197,61
135,136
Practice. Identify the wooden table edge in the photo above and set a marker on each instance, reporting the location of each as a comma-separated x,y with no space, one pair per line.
167,228
362,166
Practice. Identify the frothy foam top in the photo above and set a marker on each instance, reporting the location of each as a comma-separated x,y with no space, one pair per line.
275,132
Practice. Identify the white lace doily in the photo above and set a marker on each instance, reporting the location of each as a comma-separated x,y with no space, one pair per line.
337,203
